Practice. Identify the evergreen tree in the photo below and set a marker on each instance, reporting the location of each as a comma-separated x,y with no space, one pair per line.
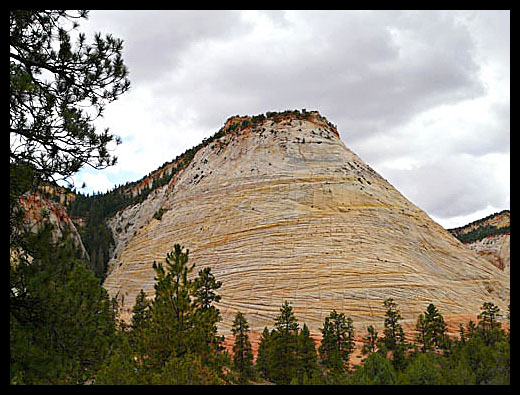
187,369
422,370
462,334
264,355
337,343
65,332
370,341
121,366
471,330
394,339
456,369
393,331
307,357
376,370
284,344
422,337
488,326
207,316
172,312
183,321
139,327
141,313
242,350
435,327
58,89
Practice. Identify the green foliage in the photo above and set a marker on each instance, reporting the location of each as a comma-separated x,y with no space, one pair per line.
187,369
477,363
264,356
206,316
140,325
61,319
376,370
284,344
423,370
421,336
121,367
370,341
394,339
172,339
337,343
307,369
431,330
242,350
57,90
171,327
393,332
482,232
488,326
159,213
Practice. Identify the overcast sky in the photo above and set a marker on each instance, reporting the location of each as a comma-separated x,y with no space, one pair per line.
423,97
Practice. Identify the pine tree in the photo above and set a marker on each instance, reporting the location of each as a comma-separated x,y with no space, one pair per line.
471,330
370,341
435,327
376,370
172,312
462,334
121,367
393,331
488,326
242,350
337,343
139,327
422,370
284,342
58,89
422,334
394,339
183,321
187,369
141,313
206,317
65,332
307,356
264,357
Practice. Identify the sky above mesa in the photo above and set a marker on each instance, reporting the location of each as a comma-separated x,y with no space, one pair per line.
423,97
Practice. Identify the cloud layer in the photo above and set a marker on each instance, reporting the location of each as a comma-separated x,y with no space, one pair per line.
423,97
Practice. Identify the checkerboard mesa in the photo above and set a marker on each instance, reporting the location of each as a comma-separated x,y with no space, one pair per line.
281,209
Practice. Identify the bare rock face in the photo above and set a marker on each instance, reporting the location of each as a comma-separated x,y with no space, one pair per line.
496,249
285,211
40,210
490,238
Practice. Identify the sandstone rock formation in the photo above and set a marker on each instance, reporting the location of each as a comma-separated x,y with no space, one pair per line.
40,210
281,209
495,247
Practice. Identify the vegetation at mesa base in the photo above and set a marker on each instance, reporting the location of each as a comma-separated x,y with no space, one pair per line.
64,330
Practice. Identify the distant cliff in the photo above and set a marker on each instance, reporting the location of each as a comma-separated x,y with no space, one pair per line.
40,210
489,237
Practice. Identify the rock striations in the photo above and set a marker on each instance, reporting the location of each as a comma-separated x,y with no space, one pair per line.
490,238
40,210
281,209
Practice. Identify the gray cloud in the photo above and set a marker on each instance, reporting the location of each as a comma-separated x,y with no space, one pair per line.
453,186
156,40
350,68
